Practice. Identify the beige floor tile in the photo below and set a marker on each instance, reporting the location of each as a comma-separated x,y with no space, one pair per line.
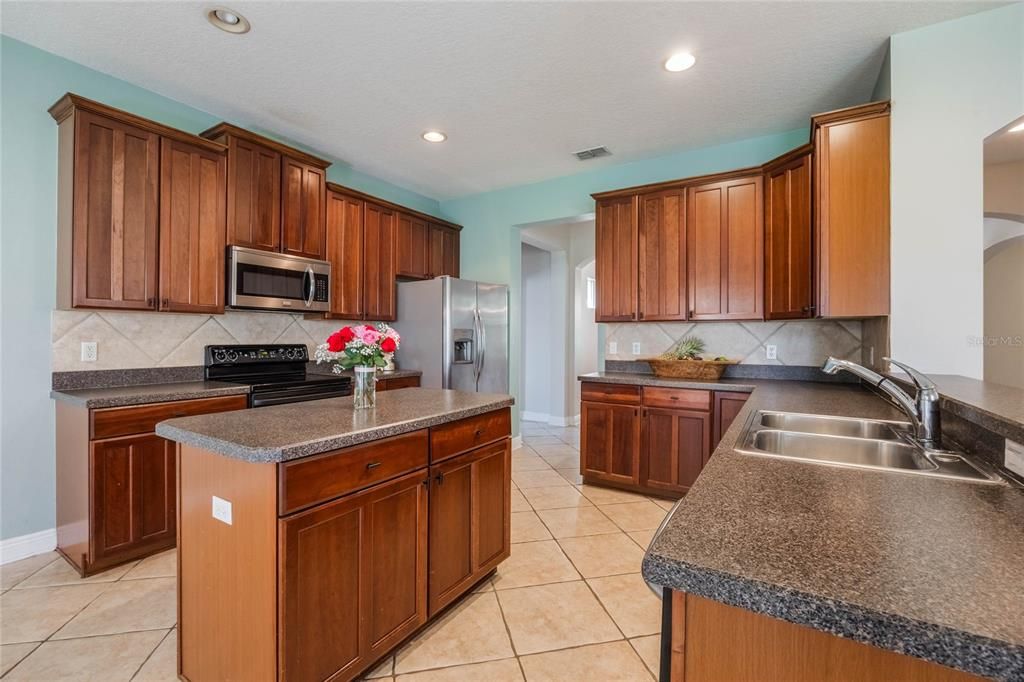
664,504
537,479
386,668
61,573
126,606
522,463
600,555
556,497
527,527
162,565
576,521
547,617
505,670
13,573
485,585
612,662
535,441
649,649
108,658
162,665
471,632
571,475
563,461
559,450
519,502
534,563
34,615
643,515
632,605
642,538
10,654
600,495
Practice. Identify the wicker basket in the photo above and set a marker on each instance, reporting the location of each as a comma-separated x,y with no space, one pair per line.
689,369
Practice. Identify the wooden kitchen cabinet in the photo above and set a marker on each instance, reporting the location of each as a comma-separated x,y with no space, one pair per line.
727,405
254,195
379,234
470,507
303,208
413,239
616,267
393,383
353,579
851,186
345,252
444,251
725,250
192,228
676,445
662,250
789,275
610,442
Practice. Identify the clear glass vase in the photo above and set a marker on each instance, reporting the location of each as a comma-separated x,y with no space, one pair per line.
364,393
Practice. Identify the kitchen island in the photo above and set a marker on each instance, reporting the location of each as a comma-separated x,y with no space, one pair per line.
313,539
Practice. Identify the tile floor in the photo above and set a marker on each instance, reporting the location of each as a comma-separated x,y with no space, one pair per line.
569,604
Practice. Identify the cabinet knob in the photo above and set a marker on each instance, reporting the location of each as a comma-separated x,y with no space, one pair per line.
439,478
478,433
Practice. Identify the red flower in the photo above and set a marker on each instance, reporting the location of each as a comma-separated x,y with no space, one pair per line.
336,342
346,334
388,345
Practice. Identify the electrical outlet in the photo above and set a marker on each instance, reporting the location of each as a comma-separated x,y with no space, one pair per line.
871,356
221,510
89,351
771,352
613,348
636,348
1014,457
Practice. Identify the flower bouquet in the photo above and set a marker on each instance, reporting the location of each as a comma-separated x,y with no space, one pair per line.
362,348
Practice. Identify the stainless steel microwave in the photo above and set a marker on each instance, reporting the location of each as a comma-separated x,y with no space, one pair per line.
263,280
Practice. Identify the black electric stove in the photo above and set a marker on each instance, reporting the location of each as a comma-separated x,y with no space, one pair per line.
275,373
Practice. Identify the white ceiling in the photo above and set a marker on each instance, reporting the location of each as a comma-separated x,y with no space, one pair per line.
517,86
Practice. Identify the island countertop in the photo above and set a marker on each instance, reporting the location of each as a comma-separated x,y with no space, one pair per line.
286,432
921,566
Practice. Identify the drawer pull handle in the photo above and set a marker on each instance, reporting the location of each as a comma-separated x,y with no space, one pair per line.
372,465
478,433
674,397
180,414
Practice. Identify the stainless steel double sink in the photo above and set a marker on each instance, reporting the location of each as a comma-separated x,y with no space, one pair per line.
848,442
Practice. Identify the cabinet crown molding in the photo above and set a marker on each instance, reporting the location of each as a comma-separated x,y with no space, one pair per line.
228,129
71,102
363,196
847,114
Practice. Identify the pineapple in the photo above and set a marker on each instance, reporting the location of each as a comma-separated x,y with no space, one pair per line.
686,348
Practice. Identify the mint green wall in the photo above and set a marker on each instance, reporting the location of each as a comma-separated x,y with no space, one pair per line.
30,81
490,239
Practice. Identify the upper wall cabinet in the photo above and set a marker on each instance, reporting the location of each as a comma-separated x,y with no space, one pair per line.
379,234
444,251
111,214
413,247
303,207
662,250
616,268
254,194
725,245
851,185
345,252
788,276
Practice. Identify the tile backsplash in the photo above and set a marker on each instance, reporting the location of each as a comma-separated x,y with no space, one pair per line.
129,340
797,342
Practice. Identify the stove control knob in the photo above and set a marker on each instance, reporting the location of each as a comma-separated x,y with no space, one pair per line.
232,356
219,355
290,353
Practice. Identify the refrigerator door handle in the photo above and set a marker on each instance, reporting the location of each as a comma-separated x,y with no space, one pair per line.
478,340
481,348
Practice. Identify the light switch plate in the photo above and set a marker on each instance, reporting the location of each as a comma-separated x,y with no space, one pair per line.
771,352
1014,457
221,510
89,351
636,348
613,348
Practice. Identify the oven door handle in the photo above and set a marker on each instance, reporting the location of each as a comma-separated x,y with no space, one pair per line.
309,282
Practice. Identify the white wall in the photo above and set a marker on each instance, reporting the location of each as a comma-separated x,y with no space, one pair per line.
585,339
1004,313
953,84
537,330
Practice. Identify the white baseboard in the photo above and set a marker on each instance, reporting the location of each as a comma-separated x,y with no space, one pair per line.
517,442
549,419
533,417
24,546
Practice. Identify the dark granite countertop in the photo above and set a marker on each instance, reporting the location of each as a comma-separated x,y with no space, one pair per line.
119,396
926,567
634,379
286,432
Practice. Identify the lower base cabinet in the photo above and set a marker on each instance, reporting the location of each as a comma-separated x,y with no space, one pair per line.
610,442
676,444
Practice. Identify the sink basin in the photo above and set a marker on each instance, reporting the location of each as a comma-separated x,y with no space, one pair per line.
861,452
833,426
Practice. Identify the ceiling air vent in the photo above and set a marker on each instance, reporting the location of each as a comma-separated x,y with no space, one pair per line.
593,153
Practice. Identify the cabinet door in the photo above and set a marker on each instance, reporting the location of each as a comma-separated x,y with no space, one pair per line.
254,195
443,251
727,406
452,253
132,499
788,273
303,206
192,228
610,442
676,444
379,264
114,252
616,247
413,247
353,579
470,506
725,250
662,266
851,169
345,252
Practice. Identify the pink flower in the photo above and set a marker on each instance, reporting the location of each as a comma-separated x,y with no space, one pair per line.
368,335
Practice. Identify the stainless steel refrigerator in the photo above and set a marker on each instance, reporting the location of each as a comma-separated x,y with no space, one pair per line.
456,332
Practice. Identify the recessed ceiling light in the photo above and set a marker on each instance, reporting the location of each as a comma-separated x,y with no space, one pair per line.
1017,128
434,136
680,61
228,20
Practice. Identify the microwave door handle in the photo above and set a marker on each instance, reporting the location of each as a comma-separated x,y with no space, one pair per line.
309,280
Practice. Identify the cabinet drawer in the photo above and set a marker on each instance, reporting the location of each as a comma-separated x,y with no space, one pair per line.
449,440
309,481
390,384
125,421
610,393
678,398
